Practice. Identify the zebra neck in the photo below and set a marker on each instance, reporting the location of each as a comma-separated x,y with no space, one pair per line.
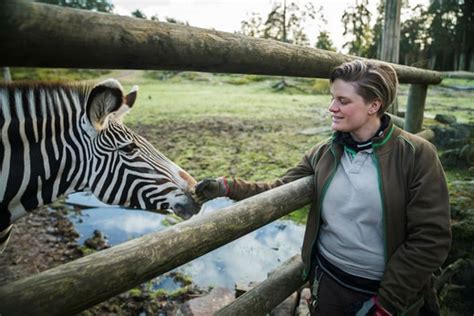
44,149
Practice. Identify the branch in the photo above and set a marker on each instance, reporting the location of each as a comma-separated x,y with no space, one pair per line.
448,272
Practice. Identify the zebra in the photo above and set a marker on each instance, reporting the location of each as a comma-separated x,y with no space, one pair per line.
59,138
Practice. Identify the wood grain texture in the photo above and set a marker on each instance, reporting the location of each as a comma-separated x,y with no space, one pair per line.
41,35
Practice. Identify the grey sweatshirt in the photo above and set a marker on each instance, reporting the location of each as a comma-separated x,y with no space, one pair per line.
351,234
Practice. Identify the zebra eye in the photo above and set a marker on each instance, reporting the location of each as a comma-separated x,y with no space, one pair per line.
129,148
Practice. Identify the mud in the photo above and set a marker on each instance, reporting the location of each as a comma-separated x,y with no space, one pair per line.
46,238
40,241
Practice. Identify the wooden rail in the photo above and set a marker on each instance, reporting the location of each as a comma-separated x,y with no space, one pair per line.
41,35
79,284
262,299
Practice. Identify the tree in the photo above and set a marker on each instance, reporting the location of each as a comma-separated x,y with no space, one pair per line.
176,21
324,41
450,31
138,14
375,47
94,5
356,21
414,38
253,26
284,23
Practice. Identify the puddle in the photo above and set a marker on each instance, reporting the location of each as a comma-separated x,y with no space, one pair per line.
247,259
168,282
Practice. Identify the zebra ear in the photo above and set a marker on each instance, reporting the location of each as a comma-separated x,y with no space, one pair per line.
104,99
131,96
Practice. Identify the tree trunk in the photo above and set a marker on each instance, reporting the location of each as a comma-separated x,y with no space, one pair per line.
391,38
285,35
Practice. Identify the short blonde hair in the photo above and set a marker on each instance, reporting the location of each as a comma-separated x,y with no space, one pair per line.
373,80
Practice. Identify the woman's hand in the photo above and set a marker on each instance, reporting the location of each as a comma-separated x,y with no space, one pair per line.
209,189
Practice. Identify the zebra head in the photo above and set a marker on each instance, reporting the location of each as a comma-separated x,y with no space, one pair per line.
126,169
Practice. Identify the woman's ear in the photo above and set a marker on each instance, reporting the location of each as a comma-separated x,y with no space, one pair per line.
104,99
375,106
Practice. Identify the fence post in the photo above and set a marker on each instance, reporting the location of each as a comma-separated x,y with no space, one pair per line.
262,299
415,107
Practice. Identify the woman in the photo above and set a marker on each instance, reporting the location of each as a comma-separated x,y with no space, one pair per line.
379,225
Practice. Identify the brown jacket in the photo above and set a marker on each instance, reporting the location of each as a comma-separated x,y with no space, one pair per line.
415,209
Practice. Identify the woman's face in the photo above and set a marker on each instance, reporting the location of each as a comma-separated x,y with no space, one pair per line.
351,113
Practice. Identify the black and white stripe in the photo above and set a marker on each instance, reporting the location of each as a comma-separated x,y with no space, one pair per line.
61,138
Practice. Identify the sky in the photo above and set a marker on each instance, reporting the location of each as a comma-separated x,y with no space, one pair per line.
226,15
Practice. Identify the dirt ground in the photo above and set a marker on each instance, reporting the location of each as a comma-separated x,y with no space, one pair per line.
46,238
40,241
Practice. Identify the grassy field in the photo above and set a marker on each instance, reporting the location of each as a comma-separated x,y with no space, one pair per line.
214,125
240,125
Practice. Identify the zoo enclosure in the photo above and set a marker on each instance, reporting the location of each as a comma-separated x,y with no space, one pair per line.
40,35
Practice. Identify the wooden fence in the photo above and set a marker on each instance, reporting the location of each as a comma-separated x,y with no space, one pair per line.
82,283
40,35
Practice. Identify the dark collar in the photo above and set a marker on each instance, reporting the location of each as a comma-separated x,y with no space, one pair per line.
346,139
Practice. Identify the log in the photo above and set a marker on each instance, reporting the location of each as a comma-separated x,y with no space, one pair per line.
427,134
415,107
270,293
77,285
458,74
40,35
398,121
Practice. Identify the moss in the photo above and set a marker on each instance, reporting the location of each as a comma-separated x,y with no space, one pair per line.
178,293
86,250
171,220
160,294
184,279
299,216
135,292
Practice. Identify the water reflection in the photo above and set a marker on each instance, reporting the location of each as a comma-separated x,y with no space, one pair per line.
246,259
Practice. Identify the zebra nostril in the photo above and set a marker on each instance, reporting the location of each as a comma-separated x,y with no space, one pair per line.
165,206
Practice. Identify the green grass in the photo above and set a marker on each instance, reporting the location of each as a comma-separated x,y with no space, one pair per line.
224,129
193,101
238,125
51,74
212,126
442,100
215,127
